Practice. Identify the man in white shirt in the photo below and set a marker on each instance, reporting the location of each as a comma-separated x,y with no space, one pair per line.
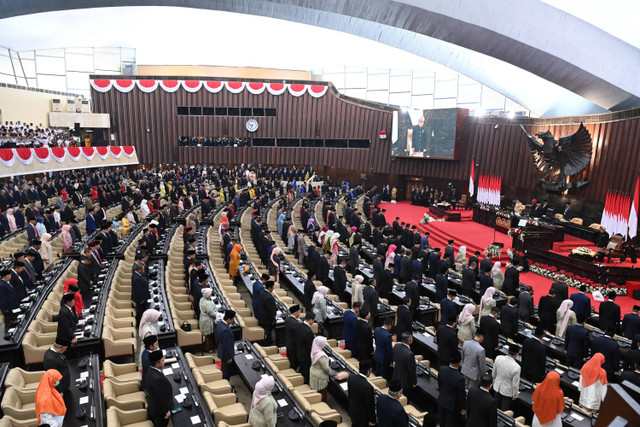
506,378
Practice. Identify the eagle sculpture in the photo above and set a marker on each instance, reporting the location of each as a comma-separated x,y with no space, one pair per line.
556,160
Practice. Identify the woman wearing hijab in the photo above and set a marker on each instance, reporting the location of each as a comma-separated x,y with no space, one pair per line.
311,227
40,227
66,238
497,275
234,261
327,241
71,285
565,317
12,220
487,302
264,409
144,207
94,193
208,313
466,323
391,254
46,252
224,225
50,407
593,383
291,237
319,303
319,372
356,289
149,323
461,259
274,263
352,235
335,248
548,402
322,234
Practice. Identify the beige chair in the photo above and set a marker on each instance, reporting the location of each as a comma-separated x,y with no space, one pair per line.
577,221
8,421
23,380
34,346
118,343
125,372
204,364
211,382
225,407
123,395
116,417
18,404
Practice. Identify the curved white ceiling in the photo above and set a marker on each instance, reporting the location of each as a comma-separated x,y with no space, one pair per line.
545,59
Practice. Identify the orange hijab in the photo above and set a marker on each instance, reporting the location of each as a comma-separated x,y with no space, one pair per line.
48,399
236,248
548,399
592,371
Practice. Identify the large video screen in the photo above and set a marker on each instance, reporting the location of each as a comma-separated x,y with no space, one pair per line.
424,133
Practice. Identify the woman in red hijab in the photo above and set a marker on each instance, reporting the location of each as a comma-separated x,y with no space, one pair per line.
548,402
50,408
94,193
593,383
71,285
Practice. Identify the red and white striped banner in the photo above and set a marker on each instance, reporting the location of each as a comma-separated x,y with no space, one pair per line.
213,86
489,187
615,217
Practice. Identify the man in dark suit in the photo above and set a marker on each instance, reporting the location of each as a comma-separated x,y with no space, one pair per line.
525,304
405,267
448,308
609,313
309,290
225,343
534,355
482,408
404,322
32,233
364,336
370,301
452,400
486,281
611,351
354,257
561,288
434,260
442,283
576,343
362,405
304,339
632,376
474,259
547,308
405,366
449,253
385,285
390,411
291,323
160,395
631,323
412,291
9,300
568,212
383,354
491,332
54,358
67,319
340,280
17,280
139,291
485,265
447,341
268,312
509,318
581,303
469,280
511,279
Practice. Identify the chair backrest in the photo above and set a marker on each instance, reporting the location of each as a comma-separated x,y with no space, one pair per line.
618,240
577,221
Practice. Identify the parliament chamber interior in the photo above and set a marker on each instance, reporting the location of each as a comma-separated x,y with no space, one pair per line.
408,214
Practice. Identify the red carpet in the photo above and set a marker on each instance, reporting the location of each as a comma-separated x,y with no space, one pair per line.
477,237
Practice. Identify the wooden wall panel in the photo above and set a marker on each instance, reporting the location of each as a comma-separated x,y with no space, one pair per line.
497,145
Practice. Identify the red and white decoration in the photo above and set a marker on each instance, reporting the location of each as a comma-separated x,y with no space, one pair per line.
11,159
615,217
472,188
213,86
633,213
489,189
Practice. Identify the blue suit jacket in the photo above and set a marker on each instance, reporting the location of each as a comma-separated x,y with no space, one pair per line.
577,341
225,341
390,412
452,393
90,226
581,305
8,297
255,298
350,320
630,325
609,348
384,350
417,268
447,310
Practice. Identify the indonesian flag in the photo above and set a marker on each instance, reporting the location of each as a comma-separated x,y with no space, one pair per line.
471,185
633,213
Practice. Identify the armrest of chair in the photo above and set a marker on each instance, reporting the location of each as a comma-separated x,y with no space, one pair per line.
125,387
119,334
224,399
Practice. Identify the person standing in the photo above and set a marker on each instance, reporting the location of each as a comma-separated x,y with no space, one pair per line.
383,354
442,282
49,404
390,411
412,291
447,342
487,302
68,319
581,303
474,362
448,308
340,280
150,343
159,391
509,318
466,323
319,303
547,308
350,320
576,344
139,291
264,409
511,279
491,329
225,343
403,314
606,345
609,313
593,383
405,366
525,304
486,281
309,290
290,325
482,408
268,311
565,316
631,323
548,402
469,280
364,336
362,405
534,357
304,341
452,397
506,378
319,372
258,287
54,358
208,314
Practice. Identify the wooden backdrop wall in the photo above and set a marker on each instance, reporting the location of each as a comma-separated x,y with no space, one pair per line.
497,145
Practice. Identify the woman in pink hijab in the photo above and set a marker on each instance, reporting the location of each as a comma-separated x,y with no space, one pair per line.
466,323
565,317
391,253
264,409
66,238
319,372
487,302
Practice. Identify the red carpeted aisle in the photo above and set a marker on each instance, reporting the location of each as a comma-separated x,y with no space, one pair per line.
477,237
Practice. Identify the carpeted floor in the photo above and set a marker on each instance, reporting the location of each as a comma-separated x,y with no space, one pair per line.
477,237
